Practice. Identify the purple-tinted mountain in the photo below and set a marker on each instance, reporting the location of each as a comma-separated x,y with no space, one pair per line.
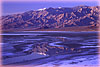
53,18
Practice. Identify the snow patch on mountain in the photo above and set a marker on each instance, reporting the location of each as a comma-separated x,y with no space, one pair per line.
42,9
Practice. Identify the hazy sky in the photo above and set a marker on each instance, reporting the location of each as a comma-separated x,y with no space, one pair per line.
17,7
48,0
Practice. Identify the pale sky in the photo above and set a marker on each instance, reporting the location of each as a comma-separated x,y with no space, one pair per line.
47,0
19,6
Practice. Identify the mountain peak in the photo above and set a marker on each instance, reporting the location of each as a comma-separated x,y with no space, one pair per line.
52,18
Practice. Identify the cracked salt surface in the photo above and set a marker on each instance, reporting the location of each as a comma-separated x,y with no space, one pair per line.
77,61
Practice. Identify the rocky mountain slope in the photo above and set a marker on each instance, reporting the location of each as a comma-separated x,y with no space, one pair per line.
48,18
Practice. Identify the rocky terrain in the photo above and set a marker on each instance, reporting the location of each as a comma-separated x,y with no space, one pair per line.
53,18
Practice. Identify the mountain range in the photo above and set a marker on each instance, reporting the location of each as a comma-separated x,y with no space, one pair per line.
53,18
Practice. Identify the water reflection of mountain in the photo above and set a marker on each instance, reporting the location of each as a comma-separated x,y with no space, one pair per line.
64,44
